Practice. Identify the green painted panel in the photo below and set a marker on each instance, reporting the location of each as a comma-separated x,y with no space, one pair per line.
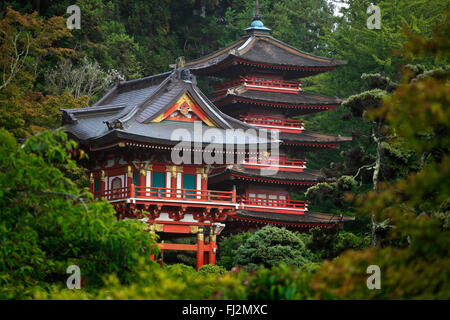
158,181
189,183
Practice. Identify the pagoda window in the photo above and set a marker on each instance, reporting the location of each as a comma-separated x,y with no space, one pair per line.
189,183
158,184
261,198
136,182
97,186
271,199
116,185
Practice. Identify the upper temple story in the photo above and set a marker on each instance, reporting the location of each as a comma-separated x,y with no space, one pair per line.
258,51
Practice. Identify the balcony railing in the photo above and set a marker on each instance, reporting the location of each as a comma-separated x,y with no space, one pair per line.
280,164
201,198
263,84
169,196
284,125
274,205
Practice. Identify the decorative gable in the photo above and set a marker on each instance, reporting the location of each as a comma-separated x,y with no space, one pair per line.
185,109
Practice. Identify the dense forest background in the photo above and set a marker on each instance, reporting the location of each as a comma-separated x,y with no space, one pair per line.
395,88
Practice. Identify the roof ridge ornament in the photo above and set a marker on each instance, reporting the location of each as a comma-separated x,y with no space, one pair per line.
256,14
257,26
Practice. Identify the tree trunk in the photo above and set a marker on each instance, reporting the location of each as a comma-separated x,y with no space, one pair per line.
375,241
376,171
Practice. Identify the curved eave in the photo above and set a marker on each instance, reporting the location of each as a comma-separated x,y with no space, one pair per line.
228,174
307,220
228,101
262,52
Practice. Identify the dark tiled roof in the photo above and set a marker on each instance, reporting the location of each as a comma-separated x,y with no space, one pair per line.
307,218
313,137
263,49
307,175
128,109
302,98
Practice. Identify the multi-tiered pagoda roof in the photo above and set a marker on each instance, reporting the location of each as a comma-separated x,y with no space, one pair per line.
260,88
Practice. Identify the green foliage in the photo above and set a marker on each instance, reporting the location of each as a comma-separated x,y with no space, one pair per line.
47,223
276,283
419,113
209,269
271,246
228,248
331,192
328,243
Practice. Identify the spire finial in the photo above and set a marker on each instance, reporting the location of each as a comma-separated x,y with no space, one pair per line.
256,15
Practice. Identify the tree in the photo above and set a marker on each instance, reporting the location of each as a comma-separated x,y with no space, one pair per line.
329,243
418,112
29,44
228,247
271,246
87,78
48,223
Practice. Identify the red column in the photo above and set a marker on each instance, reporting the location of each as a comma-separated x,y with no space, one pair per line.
212,249
142,182
130,182
200,248
206,254
102,183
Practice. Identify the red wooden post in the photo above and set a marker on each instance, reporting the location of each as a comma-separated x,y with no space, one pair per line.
142,182
130,182
200,248
102,183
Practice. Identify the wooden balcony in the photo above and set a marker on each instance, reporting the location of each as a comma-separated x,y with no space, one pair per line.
273,205
269,123
171,197
280,164
262,84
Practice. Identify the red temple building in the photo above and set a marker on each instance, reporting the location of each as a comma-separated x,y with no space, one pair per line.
130,135
133,132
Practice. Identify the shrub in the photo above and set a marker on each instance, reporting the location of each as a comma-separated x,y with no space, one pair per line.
228,247
271,246
279,282
209,269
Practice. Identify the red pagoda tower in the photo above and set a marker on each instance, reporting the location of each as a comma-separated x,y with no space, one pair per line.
260,89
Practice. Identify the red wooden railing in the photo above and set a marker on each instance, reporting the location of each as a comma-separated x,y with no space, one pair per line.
279,162
284,125
274,205
153,193
264,84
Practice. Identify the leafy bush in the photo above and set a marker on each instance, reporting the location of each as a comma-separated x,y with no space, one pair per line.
48,223
328,243
271,246
278,282
209,269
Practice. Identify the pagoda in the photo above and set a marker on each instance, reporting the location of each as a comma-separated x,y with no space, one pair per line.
131,136
261,88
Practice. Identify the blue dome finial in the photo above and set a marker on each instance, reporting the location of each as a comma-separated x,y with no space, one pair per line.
257,24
